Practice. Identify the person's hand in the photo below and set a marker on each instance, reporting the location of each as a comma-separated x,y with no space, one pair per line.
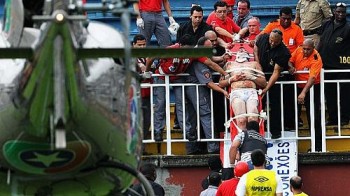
172,20
237,37
226,94
263,92
291,70
301,98
252,43
140,23
147,74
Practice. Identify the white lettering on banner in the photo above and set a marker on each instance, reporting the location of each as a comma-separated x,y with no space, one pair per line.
283,160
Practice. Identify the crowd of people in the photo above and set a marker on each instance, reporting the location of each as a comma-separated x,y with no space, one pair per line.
282,45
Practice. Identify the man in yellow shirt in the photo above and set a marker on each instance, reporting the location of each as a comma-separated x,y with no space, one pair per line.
295,186
259,181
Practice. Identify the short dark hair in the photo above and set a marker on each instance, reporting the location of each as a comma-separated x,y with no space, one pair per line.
286,10
202,40
296,182
244,1
258,157
196,8
187,39
253,125
219,4
148,170
138,37
214,179
215,163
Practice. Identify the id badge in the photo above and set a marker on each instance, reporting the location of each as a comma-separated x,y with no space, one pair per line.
291,41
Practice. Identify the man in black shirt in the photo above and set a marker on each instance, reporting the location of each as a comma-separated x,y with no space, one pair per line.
335,51
273,57
195,26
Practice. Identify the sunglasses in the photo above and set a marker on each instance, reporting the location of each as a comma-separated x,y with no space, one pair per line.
340,4
277,31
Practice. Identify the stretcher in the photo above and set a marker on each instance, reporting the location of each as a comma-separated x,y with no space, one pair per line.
231,124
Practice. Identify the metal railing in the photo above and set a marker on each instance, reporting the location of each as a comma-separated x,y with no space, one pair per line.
295,135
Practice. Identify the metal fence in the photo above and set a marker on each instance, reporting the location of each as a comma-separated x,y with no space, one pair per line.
285,135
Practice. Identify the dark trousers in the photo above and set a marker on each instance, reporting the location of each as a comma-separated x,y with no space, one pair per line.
317,114
275,109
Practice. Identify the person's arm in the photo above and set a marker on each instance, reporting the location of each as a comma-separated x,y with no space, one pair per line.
275,75
326,10
309,83
214,66
139,21
297,14
167,8
256,52
260,80
279,188
233,150
149,62
223,32
217,88
241,189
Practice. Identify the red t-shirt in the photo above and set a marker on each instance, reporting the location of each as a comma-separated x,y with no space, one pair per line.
228,24
228,187
212,16
150,5
176,65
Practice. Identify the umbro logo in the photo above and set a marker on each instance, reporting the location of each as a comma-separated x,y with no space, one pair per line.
261,179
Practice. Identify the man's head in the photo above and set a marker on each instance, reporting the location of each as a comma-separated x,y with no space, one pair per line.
196,15
230,4
203,41
253,125
275,38
220,8
308,47
258,158
149,171
215,163
243,8
254,26
211,35
242,56
186,40
139,41
214,179
296,183
340,12
241,168
285,17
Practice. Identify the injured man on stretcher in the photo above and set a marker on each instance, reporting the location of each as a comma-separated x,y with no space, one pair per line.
246,77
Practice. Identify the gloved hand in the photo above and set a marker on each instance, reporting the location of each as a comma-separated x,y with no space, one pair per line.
140,23
172,20
236,37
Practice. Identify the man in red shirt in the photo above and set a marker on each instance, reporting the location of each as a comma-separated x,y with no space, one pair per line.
306,58
228,187
150,20
222,24
230,5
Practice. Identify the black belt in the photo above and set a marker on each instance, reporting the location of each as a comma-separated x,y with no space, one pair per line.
311,32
